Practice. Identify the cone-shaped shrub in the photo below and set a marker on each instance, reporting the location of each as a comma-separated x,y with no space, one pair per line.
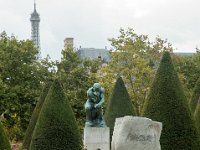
197,116
195,96
34,117
167,103
4,143
56,126
119,104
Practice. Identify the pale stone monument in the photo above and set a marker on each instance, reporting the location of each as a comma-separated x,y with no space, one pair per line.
136,133
96,133
96,138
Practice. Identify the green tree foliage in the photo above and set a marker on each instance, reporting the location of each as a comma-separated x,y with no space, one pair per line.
184,67
21,76
167,103
135,58
193,70
197,116
119,104
4,142
188,68
35,115
195,96
56,127
77,76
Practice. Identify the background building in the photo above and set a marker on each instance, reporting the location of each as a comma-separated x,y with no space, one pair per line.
183,54
94,53
68,43
88,53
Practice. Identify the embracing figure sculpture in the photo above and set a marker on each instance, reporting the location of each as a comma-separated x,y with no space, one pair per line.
93,106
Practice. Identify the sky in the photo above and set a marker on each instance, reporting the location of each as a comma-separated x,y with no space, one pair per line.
92,22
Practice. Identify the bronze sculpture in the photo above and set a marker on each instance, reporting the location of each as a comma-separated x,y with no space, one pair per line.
93,106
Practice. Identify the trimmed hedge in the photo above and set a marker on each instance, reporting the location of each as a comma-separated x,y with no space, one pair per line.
56,126
119,105
195,96
167,103
197,116
34,117
4,142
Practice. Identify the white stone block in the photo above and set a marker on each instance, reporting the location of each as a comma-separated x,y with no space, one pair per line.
96,138
136,133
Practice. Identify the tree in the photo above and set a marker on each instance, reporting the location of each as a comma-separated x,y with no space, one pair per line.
4,142
136,59
21,77
56,127
195,96
119,104
77,76
34,117
167,103
188,68
197,116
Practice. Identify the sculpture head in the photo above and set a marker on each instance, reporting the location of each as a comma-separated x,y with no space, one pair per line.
97,87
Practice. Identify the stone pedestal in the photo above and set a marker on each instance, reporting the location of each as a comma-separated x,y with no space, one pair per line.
96,138
136,133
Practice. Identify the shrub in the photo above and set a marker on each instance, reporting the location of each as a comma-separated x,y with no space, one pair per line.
195,96
34,117
167,103
119,104
197,116
4,143
56,126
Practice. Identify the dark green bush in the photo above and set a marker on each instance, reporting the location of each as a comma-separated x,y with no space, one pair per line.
56,127
4,143
119,104
195,96
197,116
34,117
167,103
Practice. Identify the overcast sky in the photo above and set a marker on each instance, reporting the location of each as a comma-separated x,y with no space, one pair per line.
92,22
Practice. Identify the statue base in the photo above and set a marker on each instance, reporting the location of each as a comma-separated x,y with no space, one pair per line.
96,138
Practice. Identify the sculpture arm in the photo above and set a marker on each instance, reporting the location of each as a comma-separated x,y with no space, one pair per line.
90,95
102,99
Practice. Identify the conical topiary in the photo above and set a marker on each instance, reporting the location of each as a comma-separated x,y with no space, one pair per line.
119,105
167,103
195,96
197,116
34,117
4,142
56,126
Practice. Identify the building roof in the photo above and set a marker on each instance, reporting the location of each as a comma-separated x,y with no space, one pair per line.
94,53
184,53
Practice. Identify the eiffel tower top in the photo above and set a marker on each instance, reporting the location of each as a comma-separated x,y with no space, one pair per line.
35,15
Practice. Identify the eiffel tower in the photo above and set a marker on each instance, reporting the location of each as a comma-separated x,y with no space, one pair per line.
35,34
